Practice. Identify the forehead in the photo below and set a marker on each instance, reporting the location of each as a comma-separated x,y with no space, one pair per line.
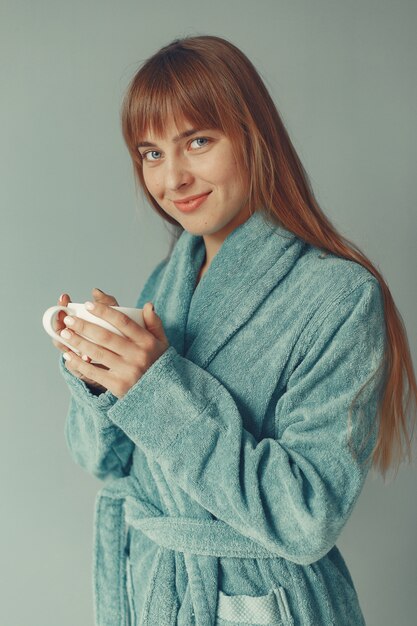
169,129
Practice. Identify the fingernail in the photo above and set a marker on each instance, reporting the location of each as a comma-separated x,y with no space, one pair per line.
61,297
67,356
97,289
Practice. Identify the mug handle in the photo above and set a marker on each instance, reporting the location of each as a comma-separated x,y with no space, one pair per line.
48,321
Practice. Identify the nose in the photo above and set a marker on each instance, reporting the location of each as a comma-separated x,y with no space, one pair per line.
177,174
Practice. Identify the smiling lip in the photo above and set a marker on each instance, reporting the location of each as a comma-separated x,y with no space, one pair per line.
192,203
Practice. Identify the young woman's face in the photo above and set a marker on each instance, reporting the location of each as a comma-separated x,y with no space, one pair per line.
188,162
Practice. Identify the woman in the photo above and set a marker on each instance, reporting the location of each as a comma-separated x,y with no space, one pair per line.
239,425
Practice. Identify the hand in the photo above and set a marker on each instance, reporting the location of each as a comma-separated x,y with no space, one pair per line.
126,357
98,296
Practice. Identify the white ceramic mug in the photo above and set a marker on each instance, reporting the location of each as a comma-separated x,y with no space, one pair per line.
77,309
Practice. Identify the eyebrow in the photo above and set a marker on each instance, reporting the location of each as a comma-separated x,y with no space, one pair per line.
176,139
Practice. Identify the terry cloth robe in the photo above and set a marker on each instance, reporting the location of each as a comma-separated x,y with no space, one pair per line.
229,474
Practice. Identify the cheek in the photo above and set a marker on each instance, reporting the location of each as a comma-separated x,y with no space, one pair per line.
226,170
223,174
232,180
151,181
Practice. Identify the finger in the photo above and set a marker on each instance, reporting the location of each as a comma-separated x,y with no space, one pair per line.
60,346
101,296
65,348
97,352
69,363
58,323
102,338
123,323
80,367
64,300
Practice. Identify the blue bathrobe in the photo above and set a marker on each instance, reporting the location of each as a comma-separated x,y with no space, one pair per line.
233,464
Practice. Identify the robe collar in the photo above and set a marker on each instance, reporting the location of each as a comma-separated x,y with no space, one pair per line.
252,260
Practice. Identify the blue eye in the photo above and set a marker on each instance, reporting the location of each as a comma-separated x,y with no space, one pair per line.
202,142
200,139
145,155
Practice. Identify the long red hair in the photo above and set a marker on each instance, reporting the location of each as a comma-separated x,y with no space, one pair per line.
211,83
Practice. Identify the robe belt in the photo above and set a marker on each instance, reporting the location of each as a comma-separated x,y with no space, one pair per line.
119,505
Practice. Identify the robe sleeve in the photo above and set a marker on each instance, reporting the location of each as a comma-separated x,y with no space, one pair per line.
291,493
94,441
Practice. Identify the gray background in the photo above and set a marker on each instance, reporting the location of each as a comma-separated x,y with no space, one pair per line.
343,77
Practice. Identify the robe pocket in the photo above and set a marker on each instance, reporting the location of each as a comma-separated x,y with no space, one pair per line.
269,610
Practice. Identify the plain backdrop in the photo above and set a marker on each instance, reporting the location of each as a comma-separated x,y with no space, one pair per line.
343,77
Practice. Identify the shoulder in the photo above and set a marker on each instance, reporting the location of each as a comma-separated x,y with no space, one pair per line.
322,279
328,289
336,292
